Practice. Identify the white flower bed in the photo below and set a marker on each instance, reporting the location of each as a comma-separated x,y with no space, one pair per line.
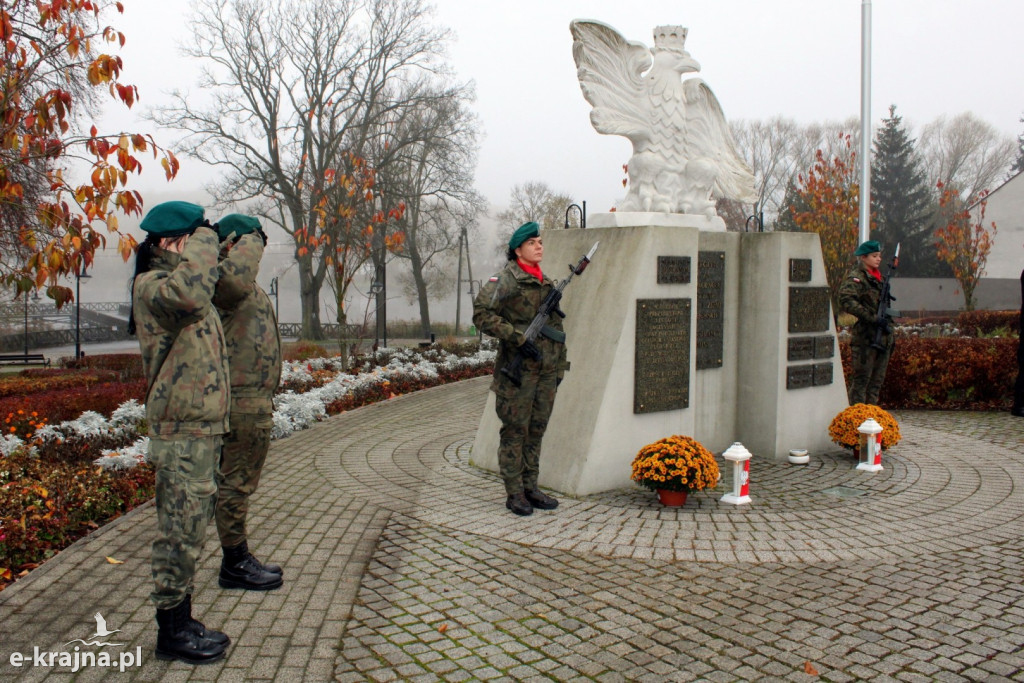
292,411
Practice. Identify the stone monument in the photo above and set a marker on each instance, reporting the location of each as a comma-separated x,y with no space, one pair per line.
679,327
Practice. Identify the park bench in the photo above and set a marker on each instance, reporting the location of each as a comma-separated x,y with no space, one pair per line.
24,358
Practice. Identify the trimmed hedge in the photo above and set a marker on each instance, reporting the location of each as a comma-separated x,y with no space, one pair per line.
947,373
978,323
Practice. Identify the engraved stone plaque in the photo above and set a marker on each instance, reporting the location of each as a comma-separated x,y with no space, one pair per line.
710,309
799,270
673,270
799,348
824,347
822,374
799,376
808,309
661,373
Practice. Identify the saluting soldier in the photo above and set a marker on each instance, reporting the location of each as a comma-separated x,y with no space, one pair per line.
185,362
859,295
254,362
504,308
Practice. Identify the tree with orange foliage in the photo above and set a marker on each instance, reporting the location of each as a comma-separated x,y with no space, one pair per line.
49,73
829,200
348,224
963,242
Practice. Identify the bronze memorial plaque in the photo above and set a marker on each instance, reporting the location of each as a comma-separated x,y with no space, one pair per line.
799,376
673,270
822,374
808,309
798,348
824,347
799,270
661,373
710,309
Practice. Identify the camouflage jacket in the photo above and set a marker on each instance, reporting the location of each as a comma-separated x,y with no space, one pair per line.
858,296
250,328
182,342
505,307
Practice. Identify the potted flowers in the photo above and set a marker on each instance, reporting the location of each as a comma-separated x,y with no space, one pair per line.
843,429
673,467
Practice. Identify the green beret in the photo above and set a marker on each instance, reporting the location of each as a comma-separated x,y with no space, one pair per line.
869,247
523,233
236,223
173,219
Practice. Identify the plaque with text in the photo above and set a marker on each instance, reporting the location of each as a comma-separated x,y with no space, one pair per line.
800,348
824,347
799,376
661,372
710,309
822,374
799,270
673,270
808,309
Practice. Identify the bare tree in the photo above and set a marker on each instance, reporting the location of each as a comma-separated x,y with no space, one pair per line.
965,153
777,150
287,94
430,164
536,201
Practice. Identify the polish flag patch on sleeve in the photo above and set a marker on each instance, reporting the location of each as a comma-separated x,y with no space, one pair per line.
857,280
494,278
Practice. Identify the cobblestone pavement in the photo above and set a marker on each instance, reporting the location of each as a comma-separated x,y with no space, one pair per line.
401,563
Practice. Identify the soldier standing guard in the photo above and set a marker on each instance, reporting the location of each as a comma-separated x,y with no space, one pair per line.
254,362
859,295
504,308
185,362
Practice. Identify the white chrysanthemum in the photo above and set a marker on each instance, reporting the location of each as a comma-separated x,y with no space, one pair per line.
125,458
9,443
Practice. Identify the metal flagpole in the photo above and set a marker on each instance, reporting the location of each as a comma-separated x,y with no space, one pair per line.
865,122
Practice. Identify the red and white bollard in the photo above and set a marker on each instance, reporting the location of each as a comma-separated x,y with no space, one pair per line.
740,458
870,451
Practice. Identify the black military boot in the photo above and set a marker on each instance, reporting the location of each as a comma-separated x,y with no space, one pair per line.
239,569
540,500
200,630
518,504
272,568
176,638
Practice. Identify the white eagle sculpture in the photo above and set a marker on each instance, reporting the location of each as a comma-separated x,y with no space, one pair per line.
683,152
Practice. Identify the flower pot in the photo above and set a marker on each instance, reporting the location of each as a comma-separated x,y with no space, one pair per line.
798,456
672,498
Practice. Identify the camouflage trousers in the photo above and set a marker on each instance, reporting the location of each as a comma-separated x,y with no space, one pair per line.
185,498
241,464
869,366
524,413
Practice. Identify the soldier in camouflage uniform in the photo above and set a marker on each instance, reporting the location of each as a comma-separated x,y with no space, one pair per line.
504,308
859,296
185,362
254,362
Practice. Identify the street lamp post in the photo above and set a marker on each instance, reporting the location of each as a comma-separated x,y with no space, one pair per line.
35,297
582,211
376,287
277,300
79,274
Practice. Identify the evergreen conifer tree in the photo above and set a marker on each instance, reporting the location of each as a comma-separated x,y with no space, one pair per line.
901,200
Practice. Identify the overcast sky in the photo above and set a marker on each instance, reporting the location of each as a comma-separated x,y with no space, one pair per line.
795,58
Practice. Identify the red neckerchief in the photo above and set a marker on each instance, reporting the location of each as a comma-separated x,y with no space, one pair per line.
531,270
875,273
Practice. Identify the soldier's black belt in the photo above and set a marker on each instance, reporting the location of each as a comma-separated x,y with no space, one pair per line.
553,334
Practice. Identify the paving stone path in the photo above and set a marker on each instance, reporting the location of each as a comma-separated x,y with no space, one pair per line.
401,564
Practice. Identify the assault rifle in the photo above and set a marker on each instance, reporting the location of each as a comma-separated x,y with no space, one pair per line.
885,311
514,369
